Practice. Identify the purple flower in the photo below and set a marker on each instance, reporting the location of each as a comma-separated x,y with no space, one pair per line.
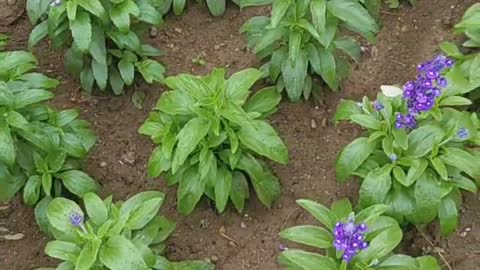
463,133
283,247
378,105
407,121
393,157
422,93
349,238
76,219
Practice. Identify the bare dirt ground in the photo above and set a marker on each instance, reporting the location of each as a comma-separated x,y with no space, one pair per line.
409,36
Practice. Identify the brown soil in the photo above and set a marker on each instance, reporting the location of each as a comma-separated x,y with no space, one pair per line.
409,36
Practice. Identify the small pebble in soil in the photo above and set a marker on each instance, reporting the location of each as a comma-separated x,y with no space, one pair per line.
313,123
153,31
404,28
103,164
232,244
13,237
129,158
204,223
214,259
243,225
324,122
178,30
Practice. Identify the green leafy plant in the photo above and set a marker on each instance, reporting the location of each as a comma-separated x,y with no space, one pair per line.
300,38
41,147
469,26
103,35
3,41
396,3
467,68
209,132
417,163
115,236
354,242
216,7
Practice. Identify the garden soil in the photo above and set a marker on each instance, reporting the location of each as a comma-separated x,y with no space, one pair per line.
249,240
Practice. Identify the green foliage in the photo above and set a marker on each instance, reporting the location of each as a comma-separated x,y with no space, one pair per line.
419,173
3,41
300,38
396,3
115,236
470,27
383,236
467,68
208,133
216,7
374,6
105,48
41,147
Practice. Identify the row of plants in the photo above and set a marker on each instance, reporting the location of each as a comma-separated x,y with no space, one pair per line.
212,134
420,148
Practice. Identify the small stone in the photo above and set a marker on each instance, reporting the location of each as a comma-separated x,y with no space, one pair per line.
13,237
232,244
404,28
214,259
129,158
153,31
178,30
222,230
103,164
374,52
204,223
447,20
324,122
243,225
216,47
313,123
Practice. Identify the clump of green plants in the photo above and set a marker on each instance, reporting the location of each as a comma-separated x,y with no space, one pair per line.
3,41
365,240
216,7
115,236
209,132
467,68
103,39
396,3
419,151
38,142
42,148
301,38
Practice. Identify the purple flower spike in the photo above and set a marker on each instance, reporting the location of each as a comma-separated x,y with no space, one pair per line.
76,219
422,93
407,121
349,238
378,105
463,133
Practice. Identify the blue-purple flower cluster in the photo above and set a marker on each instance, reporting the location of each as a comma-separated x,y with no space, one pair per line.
349,238
422,93
463,133
76,219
